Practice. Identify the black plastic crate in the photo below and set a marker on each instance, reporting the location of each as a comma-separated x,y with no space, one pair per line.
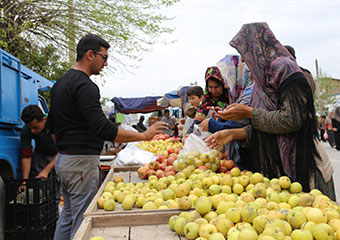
44,233
29,191
30,217
31,205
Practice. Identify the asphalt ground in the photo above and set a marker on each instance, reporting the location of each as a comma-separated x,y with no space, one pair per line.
334,156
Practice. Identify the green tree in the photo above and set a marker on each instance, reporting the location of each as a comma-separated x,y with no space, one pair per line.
30,28
328,88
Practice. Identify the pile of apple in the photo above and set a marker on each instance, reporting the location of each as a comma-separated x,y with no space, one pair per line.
249,206
162,147
235,205
164,169
204,161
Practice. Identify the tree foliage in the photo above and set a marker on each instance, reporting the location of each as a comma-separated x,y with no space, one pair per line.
329,87
35,30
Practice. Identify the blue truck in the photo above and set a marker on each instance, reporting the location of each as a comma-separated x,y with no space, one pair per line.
19,87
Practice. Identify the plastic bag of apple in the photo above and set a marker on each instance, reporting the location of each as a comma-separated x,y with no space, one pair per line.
186,163
162,145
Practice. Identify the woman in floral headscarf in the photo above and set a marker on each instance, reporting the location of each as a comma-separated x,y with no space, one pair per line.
281,137
215,95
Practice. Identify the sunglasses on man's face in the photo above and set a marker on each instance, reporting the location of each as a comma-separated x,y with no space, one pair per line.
105,57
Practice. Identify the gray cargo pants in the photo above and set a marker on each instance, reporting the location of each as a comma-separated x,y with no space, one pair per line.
79,181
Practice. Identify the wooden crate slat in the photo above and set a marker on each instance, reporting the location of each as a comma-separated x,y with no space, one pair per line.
152,232
116,233
125,219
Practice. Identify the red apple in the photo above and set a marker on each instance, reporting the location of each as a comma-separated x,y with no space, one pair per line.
154,165
143,173
163,166
170,173
151,172
171,150
178,150
202,167
170,161
169,169
160,174
229,164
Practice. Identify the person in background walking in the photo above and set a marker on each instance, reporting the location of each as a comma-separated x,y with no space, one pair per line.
322,128
330,132
336,127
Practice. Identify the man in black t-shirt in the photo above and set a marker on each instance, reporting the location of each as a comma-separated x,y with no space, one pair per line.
80,127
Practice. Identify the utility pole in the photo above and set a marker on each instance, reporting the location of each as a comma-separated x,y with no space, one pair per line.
318,85
71,33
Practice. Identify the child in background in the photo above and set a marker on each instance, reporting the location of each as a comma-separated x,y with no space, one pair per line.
195,95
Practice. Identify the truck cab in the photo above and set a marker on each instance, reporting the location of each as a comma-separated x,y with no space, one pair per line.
19,87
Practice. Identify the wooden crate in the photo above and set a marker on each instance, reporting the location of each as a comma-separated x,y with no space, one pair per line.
144,225
129,174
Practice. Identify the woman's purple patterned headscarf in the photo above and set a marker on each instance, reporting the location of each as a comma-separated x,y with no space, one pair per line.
270,65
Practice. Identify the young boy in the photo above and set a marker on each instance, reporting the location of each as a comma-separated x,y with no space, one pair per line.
195,95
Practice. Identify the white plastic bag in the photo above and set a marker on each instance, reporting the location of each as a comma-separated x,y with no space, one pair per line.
133,155
195,144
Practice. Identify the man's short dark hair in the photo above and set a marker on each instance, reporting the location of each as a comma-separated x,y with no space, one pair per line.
290,50
196,90
32,112
90,42
166,111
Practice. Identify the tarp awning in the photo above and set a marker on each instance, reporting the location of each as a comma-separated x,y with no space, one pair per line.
170,99
136,105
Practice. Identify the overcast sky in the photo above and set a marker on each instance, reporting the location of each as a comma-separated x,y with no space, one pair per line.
205,27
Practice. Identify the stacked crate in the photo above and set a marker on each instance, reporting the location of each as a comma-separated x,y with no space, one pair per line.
30,209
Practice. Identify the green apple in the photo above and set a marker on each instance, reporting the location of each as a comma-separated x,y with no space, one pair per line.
284,182
191,230
256,178
128,203
233,214
295,187
179,225
227,180
223,206
184,203
293,201
260,222
298,234
210,215
309,226
323,231
273,197
96,238
331,213
296,219
215,200
172,221
201,221
149,205
206,230
217,236
247,234
238,188
275,232
203,205
223,226
259,191
109,205
226,189
316,215
248,214
233,235
214,189
335,224
306,200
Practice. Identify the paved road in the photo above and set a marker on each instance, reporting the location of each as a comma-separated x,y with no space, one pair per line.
334,156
